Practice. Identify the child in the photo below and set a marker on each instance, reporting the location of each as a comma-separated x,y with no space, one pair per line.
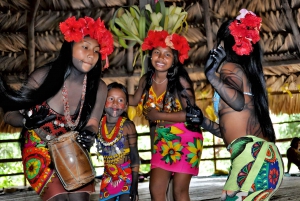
118,140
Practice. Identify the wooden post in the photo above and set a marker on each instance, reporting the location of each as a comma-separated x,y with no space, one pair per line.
31,39
207,23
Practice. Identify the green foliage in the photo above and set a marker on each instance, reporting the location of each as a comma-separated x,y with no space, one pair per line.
10,151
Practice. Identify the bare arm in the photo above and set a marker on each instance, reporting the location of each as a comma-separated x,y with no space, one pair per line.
93,122
211,127
230,85
15,118
131,136
135,99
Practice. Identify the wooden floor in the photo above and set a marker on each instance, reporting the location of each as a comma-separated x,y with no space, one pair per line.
201,188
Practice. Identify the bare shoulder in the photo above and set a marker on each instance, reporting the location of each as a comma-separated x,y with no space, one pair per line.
184,82
143,80
129,127
232,67
37,77
102,85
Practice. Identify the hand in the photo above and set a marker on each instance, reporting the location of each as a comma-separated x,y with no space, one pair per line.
36,117
134,187
86,138
215,58
193,113
151,114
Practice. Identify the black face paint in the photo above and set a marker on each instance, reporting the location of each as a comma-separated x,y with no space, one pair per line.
77,63
114,112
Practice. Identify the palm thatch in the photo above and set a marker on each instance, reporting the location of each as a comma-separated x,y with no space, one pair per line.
29,38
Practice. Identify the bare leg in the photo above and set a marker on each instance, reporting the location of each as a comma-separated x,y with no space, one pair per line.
181,184
60,197
124,197
82,196
159,181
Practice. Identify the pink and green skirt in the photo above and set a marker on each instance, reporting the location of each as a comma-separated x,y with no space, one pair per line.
177,149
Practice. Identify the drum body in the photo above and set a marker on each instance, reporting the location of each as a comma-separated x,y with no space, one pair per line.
72,162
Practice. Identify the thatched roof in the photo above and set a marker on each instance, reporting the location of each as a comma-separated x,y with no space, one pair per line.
29,38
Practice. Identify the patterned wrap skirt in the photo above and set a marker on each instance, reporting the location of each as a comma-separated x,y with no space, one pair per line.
116,180
177,149
256,170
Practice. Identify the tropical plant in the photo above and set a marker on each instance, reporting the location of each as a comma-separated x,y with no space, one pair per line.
130,24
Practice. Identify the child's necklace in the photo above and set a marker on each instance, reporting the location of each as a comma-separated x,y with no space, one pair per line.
110,136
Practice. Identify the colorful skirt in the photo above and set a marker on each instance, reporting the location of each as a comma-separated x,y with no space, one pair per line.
177,149
256,170
116,180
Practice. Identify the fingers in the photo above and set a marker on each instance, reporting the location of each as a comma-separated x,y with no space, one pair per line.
188,102
50,118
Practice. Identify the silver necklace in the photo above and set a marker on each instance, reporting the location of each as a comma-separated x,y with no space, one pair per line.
158,82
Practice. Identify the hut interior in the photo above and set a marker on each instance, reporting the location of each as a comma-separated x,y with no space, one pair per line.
30,37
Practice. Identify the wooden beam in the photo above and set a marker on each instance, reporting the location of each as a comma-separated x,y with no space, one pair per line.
281,63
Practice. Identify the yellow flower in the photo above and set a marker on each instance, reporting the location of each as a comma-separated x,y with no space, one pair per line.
32,167
195,152
171,152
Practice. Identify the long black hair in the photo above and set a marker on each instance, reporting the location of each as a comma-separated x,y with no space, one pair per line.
116,85
174,87
253,69
25,98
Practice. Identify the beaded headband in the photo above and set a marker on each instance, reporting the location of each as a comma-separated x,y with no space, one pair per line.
76,30
245,30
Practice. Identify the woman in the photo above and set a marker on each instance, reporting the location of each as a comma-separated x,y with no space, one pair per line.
293,153
62,96
162,95
240,101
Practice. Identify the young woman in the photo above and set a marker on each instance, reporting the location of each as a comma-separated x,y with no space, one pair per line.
62,96
118,142
241,103
162,95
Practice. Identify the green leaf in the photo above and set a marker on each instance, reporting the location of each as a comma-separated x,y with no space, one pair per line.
161,8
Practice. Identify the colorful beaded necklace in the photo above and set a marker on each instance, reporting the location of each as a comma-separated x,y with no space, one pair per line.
72,125
110,138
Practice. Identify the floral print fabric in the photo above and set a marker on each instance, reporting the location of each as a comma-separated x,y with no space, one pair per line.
177,149
256,171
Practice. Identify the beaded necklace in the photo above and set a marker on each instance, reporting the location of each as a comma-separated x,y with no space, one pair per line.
109,139
72,125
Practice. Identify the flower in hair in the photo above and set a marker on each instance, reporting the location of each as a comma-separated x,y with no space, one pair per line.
245,30
163,39
76,30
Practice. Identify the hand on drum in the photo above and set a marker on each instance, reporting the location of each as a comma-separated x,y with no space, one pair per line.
86,138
